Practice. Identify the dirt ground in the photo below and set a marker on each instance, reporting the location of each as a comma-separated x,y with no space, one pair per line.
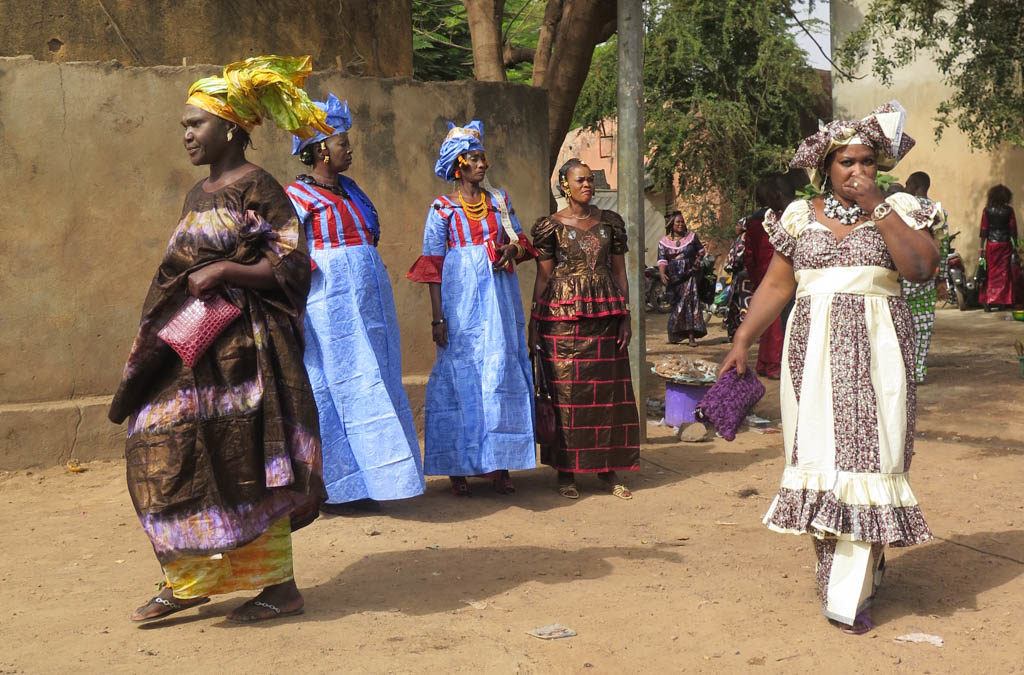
682,578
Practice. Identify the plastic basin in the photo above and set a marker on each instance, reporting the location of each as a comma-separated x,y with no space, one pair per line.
680,401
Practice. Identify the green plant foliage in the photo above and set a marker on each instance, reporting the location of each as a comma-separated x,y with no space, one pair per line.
441,46
883,180
725,86
977,46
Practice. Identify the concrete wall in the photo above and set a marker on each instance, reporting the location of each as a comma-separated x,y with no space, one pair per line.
363,38
94,175
960,177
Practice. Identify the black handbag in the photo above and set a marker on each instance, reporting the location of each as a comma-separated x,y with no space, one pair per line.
545,427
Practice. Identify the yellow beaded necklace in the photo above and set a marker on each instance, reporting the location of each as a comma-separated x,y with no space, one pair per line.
476,211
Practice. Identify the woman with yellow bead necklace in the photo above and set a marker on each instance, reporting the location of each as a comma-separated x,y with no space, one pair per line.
479,405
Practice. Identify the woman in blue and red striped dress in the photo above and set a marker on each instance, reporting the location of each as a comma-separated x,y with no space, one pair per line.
353,355
479,407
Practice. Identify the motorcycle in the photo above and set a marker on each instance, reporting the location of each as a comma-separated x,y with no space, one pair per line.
655,294
959,288
723,294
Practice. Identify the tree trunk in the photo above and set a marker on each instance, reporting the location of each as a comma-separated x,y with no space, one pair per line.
584,24
548,28
484,18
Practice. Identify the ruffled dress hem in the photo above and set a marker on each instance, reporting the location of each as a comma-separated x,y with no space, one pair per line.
869,507
574,297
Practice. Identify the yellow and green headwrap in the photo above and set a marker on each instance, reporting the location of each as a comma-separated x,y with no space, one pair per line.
261,87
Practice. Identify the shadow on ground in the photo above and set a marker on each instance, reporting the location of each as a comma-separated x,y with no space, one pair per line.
945,577
536,489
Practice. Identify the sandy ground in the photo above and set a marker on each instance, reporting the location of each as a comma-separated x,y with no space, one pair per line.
682,578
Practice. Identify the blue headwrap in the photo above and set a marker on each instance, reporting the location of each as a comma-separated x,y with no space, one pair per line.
337,117
458,141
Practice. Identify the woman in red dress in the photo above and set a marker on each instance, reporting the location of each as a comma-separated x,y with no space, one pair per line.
998,236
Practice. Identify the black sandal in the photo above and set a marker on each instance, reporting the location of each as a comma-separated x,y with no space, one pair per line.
170,607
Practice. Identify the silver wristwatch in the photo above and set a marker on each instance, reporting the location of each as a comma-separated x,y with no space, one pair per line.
881,211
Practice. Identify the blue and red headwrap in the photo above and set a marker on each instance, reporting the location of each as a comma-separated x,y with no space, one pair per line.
459,140
337,117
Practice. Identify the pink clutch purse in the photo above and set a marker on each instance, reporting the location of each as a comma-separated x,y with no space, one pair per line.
195,326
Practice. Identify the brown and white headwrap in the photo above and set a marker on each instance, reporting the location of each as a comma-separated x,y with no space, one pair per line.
882,131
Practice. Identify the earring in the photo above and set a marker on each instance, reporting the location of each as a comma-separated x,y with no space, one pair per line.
230,135
458,174
327,158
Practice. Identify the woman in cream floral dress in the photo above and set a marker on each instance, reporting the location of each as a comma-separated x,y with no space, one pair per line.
848,390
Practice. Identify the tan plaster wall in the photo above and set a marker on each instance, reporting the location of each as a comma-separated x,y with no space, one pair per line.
960,177
94,175
367,37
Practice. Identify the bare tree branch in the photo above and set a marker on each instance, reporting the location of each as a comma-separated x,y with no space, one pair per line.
434,38
515,55
820,48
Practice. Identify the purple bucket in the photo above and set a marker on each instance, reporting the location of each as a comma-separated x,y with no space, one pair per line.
680,400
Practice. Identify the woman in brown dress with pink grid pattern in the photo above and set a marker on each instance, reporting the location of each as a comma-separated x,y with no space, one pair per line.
580,324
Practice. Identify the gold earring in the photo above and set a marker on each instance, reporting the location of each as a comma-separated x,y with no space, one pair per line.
230,135
327,158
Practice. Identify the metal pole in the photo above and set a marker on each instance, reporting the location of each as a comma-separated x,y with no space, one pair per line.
630,168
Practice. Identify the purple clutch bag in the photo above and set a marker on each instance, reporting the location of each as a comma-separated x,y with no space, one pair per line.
729,401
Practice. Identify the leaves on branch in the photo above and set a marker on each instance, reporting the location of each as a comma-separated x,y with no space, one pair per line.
725,90
977,47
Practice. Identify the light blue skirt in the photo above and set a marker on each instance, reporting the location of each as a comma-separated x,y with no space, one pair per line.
354,360
479,407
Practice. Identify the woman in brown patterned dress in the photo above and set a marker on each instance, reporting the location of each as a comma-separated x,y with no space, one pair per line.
580,327
848,390
223,458
680,253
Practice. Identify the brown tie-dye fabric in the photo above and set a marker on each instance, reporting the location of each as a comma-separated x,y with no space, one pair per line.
216,453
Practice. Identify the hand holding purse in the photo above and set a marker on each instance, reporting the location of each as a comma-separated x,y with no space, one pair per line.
195,326
729,401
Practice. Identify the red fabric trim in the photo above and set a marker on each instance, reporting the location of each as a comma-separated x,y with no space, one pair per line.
493,226
530,253
611,468
426,269
580,298
455,235
580,315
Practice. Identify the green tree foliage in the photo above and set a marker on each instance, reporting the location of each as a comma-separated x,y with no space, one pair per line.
978,47
725,88
443,50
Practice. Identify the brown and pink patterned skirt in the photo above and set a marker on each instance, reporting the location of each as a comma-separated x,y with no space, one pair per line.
598,425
